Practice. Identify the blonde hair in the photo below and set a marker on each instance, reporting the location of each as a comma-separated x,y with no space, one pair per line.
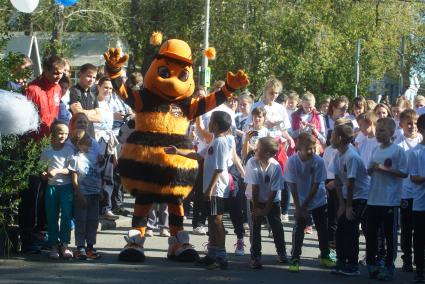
309,97
419,99
292,95
369,116
274,84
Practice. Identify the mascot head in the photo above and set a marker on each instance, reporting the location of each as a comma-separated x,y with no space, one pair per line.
170,75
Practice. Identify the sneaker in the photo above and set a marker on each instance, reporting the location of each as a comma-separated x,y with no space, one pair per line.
256,262
350,270
110,216
386,274
327,262
199,231
240,247
407,267
149,233
308,230
246,226
121,211
419,277
373,271
219,263
282,258
92,254
332,255
164,232
54,254
205,261
339,266
362,261
66,253
294,265
285,218
72,224
80,253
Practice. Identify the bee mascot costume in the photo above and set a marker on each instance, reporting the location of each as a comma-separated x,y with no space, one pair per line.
164,108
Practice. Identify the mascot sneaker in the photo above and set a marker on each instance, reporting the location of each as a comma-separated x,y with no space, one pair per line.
133,250
180,249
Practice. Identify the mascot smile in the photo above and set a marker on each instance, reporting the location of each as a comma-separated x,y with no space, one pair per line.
164,108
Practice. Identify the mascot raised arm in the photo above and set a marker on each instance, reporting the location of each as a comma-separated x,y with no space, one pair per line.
163,108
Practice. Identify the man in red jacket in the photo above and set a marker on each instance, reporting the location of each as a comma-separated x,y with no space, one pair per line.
45,93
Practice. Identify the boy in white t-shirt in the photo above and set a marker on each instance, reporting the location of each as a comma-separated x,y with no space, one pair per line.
387,169
416,169
408,139
352,185
305,174
264,174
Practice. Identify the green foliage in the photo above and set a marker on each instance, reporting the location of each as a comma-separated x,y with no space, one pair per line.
9,71
310,45
18,160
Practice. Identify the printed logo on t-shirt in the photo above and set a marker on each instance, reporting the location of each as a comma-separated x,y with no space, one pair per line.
388,163
267,179
404,204
210,150
176,110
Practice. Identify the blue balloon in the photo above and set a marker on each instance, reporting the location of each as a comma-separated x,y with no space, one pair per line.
66,3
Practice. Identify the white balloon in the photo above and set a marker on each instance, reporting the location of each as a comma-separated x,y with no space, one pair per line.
25,6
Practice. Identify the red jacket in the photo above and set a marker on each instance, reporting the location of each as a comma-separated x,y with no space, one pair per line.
46,97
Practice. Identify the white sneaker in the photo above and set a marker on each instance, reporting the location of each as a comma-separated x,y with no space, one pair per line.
240,248
285,218
66,253
199,231
54,254
110,216
149,233
164,232
246,226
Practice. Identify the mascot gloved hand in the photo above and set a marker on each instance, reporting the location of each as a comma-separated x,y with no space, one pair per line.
163,109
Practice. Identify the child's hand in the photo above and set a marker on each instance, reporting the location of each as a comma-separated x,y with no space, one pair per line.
170,150
82,200
207,196
44,176
376,166
52,173
341,210
349,213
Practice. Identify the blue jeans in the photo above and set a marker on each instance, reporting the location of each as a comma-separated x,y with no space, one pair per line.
58,199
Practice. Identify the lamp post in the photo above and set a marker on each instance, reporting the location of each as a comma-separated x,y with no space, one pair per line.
357,68
204,66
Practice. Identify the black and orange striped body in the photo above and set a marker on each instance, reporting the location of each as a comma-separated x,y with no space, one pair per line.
144,166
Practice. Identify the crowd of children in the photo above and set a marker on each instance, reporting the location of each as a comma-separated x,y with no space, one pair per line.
344,170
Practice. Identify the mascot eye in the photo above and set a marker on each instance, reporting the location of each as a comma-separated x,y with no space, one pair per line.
164,72
184,76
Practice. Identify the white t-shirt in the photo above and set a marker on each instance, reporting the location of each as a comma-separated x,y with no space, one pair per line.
408,144
268,180
329,158
365,147
216,157
385,189
88,171
304,174
275,113
58,159
350,165
263,132
416,168
107,117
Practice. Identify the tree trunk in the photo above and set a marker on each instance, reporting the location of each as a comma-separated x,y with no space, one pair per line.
57,34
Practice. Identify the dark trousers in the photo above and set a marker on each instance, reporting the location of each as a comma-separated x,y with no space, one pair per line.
378,217
406,222
31,211
234,205
199,212
277,229
419,239
348,233
320,218
117,198
332,213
